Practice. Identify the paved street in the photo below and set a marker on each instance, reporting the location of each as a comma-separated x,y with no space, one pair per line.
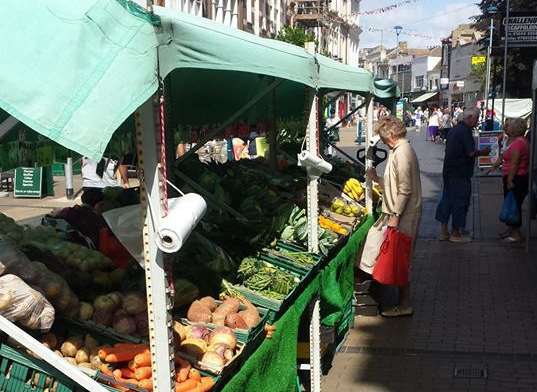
475,308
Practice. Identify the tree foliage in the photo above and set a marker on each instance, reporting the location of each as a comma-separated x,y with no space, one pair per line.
295,35
519,60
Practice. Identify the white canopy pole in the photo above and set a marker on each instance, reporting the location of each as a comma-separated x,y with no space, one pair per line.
369,158
159,304
533,146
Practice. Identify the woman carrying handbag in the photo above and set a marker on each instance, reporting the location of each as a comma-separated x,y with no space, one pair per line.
401,208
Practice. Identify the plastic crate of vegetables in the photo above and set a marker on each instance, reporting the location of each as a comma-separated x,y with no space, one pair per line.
291,257
246,319
267,285
20,372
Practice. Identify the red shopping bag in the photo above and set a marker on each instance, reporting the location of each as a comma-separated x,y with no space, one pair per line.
393,261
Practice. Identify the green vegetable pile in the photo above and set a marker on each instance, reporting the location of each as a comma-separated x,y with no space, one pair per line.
265,279
301,258
297,231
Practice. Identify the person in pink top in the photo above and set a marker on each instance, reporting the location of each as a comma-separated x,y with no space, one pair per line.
515,162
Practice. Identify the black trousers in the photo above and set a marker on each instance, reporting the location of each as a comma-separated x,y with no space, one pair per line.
520,191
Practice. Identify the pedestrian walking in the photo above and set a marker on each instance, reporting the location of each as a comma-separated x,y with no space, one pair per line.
445,125
401,204
419,117
459,161
514,162
434,123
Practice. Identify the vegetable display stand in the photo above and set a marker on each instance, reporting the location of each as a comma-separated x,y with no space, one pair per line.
20,372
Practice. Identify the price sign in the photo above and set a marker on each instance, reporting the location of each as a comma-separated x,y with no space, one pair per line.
28,182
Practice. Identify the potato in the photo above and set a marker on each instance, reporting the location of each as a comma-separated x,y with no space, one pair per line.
71,346
85,312
82,355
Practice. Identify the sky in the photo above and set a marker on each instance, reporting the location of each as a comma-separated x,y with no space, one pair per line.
432,20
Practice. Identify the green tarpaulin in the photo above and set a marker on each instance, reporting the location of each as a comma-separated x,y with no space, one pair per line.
336,76
75,70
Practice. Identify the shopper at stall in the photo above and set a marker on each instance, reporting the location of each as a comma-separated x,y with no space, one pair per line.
102,174
401,184
457,174
514,162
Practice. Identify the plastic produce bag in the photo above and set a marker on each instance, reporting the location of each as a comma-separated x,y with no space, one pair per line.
20,303
14,261
52,285
509,212
126,224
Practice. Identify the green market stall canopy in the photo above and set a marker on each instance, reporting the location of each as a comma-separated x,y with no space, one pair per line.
77,70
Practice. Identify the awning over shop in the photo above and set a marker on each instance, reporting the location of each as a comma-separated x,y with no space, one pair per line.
424,97
514,107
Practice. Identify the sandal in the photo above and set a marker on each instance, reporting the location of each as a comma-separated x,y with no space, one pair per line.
512,240
398,312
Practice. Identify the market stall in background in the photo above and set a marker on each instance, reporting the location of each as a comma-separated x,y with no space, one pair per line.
230,282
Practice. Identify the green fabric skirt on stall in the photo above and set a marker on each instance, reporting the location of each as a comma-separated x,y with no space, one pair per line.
273,366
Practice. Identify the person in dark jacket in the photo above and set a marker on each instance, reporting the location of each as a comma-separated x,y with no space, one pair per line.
459,161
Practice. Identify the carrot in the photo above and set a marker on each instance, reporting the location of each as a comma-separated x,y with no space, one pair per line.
143,373
131,346
143,359
182,374
185,385
127,373
194,374
206,384
146,384
122,354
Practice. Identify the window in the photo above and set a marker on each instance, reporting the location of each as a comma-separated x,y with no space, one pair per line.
419,81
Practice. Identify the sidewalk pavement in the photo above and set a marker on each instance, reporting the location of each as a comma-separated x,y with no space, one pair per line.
30,211
475,309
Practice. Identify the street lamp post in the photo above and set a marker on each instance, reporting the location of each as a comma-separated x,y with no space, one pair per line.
491,10
398,30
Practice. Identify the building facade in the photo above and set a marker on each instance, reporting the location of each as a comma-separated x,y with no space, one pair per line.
459,85
423,77
334,23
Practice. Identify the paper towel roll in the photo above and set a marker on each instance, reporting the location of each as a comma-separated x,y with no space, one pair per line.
305,158
184,213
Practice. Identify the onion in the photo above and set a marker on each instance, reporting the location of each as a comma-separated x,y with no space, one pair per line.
213,360
223,335
219,348
228,354
199,332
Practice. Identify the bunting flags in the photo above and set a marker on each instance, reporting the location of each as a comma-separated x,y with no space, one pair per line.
388,8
